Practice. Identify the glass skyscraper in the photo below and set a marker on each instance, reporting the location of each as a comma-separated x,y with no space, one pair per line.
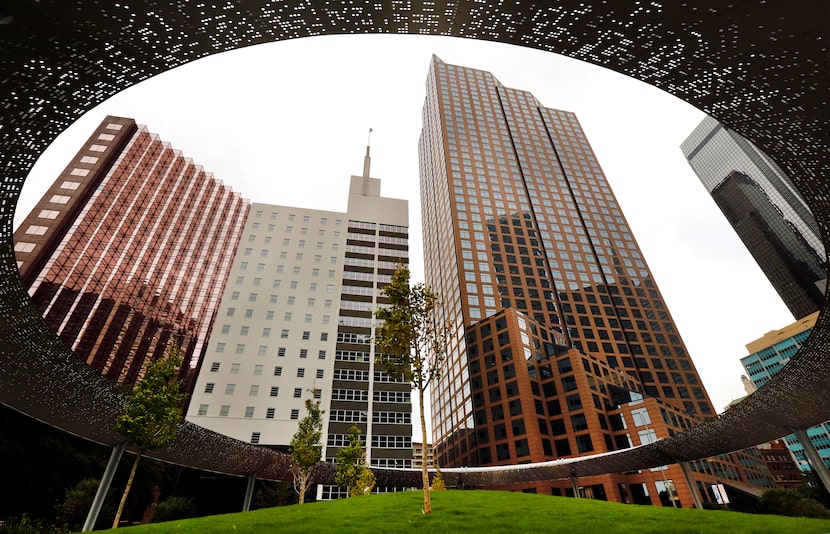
561,329
765,210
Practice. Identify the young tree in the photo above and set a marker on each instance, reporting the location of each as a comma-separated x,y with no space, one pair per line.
438,480
352,472
306,449
152,413
413,342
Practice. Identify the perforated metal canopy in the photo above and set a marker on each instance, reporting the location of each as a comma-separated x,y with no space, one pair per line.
760,67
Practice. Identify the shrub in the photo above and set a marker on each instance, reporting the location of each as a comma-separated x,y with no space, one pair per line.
27,525
438,480
174,508
791,503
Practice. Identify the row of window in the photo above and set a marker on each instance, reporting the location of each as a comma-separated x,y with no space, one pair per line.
263,351
274,215
225,409
253,390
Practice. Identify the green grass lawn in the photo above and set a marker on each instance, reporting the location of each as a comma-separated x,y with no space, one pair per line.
485,511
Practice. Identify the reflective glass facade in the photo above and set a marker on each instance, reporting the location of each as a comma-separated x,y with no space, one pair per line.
129,250
765,210
770,354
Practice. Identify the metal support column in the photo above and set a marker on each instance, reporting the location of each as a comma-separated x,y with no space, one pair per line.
103,487
249,493
816,463
575,485
687,474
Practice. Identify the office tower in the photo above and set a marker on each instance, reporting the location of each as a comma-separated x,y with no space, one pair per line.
768,355
564,345
765,210
298,317
127,252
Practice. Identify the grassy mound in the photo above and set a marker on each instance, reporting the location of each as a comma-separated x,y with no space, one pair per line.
485,511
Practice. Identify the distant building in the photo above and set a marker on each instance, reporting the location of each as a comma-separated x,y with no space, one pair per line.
128,251
765,210
779,460
563,345
421,454
768,355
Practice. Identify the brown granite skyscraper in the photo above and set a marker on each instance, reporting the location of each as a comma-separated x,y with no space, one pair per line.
562,332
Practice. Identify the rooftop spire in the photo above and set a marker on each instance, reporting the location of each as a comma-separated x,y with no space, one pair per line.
367,160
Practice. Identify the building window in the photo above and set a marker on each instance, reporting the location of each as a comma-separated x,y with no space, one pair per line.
303,353
278,371
235,368
275,391
281,351
255,437
321,354
48,214
306,334
214,367
254,391
249,411
36,230
203,408
301,372
209,387
258,370
224,410
298,392
269,413
295,413
229,389
284,333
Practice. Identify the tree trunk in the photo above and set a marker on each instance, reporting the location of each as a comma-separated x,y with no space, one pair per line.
126,490
424,471
303,487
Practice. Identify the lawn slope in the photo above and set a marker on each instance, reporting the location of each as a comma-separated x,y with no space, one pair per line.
484,512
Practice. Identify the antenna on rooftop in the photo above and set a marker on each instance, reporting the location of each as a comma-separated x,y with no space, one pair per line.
367,160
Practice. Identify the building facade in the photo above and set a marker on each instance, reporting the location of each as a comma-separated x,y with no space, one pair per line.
297,319
128,251
561,329
274,338
768,355
765,210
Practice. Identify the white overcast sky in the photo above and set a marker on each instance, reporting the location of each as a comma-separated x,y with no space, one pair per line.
287,123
